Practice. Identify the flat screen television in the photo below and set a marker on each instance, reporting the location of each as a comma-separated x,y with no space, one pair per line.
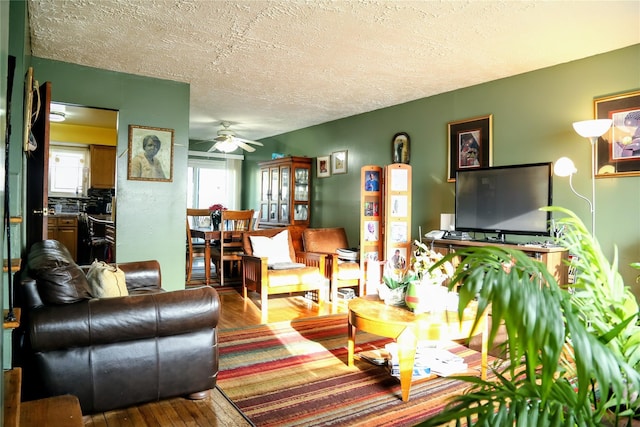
504,199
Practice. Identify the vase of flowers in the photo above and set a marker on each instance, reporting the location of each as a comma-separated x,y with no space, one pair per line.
395,280
216,215
427,292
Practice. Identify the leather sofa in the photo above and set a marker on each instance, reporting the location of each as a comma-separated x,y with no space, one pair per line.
113,352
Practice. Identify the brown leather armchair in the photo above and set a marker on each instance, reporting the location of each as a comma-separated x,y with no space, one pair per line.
258,276
113,352
327,241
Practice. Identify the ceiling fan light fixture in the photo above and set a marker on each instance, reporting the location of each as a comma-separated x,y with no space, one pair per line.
226,146
57,116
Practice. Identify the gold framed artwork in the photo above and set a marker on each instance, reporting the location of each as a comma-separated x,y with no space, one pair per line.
618,150
469,144
150,154
339,162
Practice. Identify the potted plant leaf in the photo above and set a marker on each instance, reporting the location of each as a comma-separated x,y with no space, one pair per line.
572,356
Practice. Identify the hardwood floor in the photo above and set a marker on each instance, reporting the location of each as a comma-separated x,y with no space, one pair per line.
215,410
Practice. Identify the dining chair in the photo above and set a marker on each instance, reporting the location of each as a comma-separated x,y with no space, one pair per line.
196,218
229,248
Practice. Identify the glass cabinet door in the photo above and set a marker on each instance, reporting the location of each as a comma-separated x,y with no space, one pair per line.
285,188
301,194
274,194
264,195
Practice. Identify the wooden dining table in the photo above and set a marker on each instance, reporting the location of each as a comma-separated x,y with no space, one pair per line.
208,236
211,236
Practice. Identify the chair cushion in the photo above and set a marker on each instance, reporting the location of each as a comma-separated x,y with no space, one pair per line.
58,278
294,276
275,249
324,240
348,270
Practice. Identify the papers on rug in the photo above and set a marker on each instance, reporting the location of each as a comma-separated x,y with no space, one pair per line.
430,359
377,356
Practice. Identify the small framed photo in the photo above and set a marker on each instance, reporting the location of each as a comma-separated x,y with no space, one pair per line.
323,166
618,150
372,181
150,154
339,162
400,148
371,231
469,145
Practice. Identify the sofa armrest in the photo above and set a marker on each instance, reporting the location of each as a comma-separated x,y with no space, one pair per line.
128,318
142,275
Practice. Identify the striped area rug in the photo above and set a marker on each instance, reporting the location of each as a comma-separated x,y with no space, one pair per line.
295,374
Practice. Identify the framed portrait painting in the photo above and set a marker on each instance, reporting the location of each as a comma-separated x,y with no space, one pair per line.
323,166
618,150
469,145
150,154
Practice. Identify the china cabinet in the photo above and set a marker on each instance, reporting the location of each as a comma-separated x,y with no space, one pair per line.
285,192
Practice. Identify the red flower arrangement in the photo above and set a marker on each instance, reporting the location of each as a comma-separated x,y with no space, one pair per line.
216,214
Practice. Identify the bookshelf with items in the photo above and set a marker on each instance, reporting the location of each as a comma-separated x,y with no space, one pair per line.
397,214
371,225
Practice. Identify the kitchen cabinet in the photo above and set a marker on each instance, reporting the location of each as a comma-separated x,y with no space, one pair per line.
65,230
103,166
285,192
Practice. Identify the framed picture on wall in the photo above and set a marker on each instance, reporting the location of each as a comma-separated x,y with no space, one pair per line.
618,150
469,144
323,166
150,154
339,162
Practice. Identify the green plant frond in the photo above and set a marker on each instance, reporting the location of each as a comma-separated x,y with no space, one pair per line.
588,340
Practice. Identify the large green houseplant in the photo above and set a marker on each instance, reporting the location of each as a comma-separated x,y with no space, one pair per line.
573,356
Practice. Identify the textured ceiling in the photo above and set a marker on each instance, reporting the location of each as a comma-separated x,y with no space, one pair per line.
270,67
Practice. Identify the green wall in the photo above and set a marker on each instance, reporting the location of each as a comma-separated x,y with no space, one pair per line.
4,53
532,117
149,215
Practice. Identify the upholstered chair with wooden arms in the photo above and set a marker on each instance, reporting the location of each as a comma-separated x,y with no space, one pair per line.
229,248
341,273
271,266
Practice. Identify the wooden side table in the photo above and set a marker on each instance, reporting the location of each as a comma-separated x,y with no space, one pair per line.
370,314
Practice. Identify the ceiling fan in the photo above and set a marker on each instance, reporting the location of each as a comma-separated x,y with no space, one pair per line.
227,141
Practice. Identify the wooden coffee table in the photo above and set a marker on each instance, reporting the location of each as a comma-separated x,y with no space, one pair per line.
370,314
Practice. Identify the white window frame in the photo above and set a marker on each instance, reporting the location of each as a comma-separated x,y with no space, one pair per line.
82,152
232,166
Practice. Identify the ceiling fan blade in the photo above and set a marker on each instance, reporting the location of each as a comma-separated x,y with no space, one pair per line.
213,148
244,146
248,141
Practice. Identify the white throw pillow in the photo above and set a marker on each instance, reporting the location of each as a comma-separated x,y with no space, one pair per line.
275,249
106,281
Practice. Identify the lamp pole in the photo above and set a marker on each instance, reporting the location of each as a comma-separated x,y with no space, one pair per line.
593,140
593,129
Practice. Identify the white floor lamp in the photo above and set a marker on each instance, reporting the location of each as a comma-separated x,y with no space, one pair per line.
591,129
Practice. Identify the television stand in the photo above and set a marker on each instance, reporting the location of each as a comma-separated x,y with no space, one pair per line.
554,257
